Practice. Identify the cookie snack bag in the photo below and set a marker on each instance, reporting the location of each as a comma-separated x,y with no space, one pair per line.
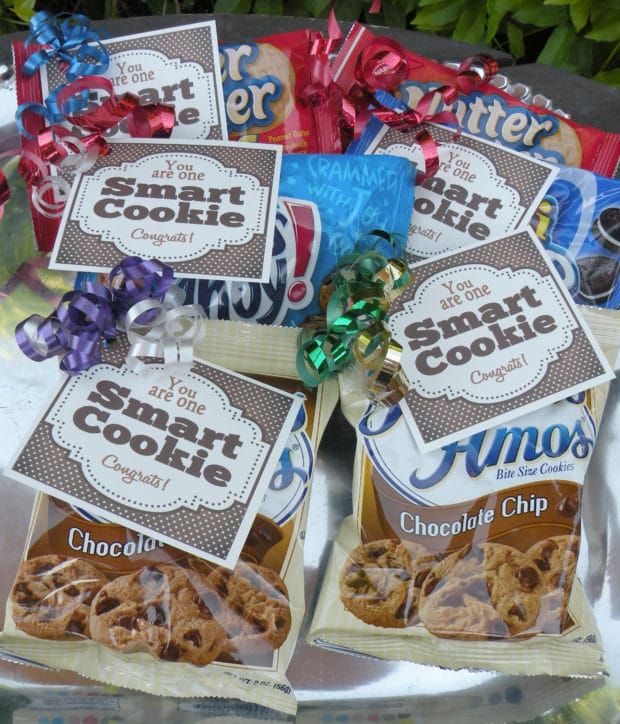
124,608
326,203
578,223
264,82
486,111
465,556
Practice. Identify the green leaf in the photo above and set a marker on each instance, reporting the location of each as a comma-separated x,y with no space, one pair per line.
605,25
471,23
541,16
349,9
516,44
163,7
268,7
579,13
558,46
156,7
611,77
395,13
407,5
582,56
439,16
316,8
496,11
24,9
232,6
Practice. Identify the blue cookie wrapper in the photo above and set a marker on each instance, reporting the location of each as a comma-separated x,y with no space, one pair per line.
578,223
326,204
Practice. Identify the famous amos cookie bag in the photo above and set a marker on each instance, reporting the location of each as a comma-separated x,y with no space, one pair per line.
462,546
125,608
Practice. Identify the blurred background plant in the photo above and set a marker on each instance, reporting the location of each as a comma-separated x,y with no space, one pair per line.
582,36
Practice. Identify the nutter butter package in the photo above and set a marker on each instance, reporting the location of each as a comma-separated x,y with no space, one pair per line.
465,556
124,608
489,112
263,81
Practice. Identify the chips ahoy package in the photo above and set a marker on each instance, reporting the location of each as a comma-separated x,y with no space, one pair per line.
326,203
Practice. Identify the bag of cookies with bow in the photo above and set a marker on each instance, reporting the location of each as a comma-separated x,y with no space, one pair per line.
165,554
472,94
473,445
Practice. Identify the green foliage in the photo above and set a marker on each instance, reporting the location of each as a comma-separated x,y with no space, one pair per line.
582,36
14,15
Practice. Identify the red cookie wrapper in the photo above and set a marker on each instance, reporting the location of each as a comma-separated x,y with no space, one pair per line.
278,89
485,110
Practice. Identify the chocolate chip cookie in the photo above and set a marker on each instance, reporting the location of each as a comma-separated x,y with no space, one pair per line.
52,594
556,560
159,609
252,605
482,591
380,582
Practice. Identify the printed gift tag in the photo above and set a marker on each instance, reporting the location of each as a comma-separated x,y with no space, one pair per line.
489,333
205,208
176,66
481,190
184,456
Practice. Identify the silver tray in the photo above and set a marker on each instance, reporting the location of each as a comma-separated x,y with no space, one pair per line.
330,686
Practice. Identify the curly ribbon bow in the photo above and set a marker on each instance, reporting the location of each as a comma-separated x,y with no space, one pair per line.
72,331
55,145
68,104
319,92
384,65
365,284
399,116
156,321
139,296
324,98
68,38
466,80
81,55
